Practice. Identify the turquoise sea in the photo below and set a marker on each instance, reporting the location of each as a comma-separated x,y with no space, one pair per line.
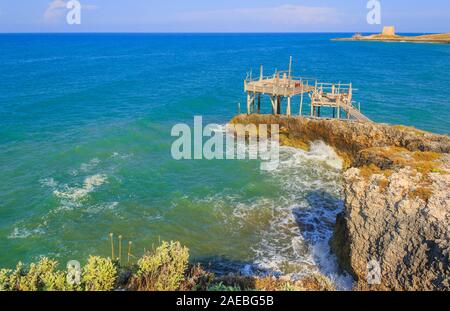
85,123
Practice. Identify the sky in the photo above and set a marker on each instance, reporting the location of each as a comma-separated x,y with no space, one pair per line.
414,16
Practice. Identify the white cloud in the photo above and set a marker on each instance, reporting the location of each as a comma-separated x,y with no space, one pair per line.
57,9
277,17
54,10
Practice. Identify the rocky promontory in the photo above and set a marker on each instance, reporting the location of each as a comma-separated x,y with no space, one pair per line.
397,198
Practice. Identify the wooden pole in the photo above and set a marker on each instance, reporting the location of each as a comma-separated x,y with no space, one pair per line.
288,108
261,73
278,104
301,103
248,103
290,67
272,101
129,252
253,102
259,103
111,237
120,249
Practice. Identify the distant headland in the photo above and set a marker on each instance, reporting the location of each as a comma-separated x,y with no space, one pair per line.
389,35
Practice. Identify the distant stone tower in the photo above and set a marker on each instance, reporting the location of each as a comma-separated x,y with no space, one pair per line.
388,31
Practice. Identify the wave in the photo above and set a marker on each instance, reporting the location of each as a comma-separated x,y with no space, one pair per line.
294,226
21,232
77,193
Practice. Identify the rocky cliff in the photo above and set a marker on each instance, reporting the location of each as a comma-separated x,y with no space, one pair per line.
397,198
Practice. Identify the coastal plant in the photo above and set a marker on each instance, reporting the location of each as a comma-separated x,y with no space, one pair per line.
15,276
5,284
166,268
197,279
57,281
99,274
40,276
162,269
37,276
220,287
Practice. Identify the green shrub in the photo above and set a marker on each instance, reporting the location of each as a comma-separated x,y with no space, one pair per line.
57,281
5,275
162,269
40,276
220,287
99,274
196,279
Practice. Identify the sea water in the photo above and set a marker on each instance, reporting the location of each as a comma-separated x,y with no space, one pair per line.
85,123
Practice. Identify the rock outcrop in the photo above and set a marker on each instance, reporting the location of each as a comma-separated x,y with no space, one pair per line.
407,234
397,199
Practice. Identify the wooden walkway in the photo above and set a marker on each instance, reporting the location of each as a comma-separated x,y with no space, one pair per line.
356,114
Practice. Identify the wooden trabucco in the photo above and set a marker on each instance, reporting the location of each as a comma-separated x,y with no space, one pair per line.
282,85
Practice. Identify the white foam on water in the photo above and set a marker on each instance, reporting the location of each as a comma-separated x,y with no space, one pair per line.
322,152
49,182
121,156
73,196
297,243
294,228
20,232
78,193
85,167
102,207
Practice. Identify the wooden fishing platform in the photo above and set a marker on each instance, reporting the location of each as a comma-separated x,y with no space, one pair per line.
282,85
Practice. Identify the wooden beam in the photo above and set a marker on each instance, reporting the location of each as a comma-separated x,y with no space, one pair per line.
259,103
301,103
290,68
278,105
288,108
248,102
274,104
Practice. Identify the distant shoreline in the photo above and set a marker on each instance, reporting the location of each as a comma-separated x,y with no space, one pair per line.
434,38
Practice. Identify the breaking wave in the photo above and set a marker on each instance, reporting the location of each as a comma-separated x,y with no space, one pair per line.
75,194
294,228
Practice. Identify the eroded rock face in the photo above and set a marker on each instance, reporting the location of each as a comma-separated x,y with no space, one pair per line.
384,221
397,199
352,137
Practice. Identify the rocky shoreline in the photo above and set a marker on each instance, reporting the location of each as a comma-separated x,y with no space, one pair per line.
436,38
397,198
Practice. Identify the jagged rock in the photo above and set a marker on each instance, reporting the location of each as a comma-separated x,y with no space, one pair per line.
407,235
397,198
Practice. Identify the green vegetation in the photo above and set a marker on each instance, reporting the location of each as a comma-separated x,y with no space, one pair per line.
165,268
99,274
41,276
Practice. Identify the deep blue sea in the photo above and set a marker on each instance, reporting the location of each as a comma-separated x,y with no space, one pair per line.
85,123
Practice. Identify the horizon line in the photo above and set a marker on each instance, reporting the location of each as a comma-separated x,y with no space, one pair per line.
212,32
